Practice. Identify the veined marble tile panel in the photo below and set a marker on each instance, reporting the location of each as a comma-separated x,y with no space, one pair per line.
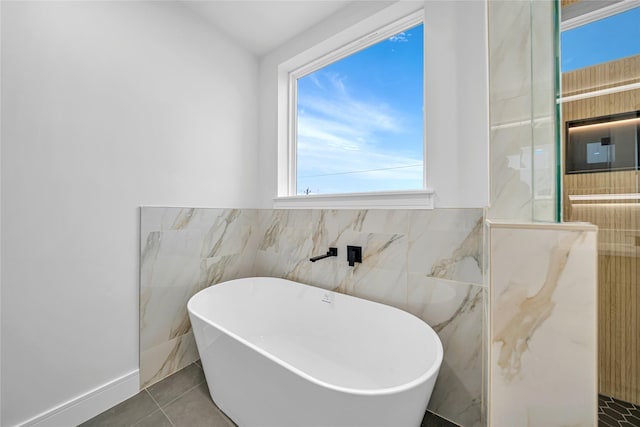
510,61
163,360
382,235
447,244
542,53
182,252
163,305
284,244
172,270
380,251
374,284
484,406
330,224
283,252
228,267
151,219
216,231
511,112
282,265
230,233
511,188
271,222
169,258
455,311
543,326
331,273
163,314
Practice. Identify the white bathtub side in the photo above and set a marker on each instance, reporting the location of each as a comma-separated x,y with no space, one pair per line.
255,388
255,391
292,323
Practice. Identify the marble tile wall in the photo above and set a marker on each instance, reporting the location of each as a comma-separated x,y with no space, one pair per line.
426,262
510,113
543,105
183,251
542,332
522,111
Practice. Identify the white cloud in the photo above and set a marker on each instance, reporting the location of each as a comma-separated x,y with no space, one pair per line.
316,81
400,37
339,134
340,106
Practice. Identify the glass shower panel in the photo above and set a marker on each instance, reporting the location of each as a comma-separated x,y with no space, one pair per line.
543,149
600,129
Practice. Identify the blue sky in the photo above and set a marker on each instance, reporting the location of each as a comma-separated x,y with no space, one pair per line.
360,120
608,39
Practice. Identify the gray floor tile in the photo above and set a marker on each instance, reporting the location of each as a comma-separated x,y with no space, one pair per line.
157,419
195,409
175,385
126,413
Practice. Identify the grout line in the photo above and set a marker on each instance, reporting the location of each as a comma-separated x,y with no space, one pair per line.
178,397
159,408
182,394
137,423
151,396
167,417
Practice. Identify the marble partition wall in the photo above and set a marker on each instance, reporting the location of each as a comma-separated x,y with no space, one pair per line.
427,262
183,251
542,334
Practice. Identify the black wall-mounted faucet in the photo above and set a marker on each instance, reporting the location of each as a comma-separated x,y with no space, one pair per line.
330,252
354,254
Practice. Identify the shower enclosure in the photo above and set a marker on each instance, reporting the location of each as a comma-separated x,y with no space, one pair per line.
599,129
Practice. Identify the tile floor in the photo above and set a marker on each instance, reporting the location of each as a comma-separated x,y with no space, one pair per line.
616,413
182,400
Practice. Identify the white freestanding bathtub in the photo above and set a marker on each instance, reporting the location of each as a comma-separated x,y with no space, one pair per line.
278,353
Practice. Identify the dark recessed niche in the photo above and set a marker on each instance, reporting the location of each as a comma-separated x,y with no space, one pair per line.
603,144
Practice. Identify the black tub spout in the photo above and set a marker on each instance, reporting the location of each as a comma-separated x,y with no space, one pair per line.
330,252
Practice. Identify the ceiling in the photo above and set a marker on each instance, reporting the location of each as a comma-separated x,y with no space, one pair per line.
261,26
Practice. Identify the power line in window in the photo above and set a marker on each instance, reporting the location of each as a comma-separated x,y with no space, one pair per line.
363,171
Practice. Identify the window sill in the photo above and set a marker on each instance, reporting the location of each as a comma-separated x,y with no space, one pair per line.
423,199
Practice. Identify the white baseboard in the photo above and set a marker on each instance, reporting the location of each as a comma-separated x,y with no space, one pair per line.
88,405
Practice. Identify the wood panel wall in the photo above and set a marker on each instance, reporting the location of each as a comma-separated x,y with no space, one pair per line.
610,74
619,229
564,3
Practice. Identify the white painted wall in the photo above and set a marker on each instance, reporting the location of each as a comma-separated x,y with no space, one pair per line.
456,101
106,106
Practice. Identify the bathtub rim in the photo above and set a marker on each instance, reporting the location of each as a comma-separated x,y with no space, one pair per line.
431,372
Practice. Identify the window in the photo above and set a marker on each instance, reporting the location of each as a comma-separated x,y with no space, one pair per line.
356,116
603,39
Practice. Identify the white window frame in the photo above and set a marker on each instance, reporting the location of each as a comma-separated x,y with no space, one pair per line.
588,12
593,12
372,30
